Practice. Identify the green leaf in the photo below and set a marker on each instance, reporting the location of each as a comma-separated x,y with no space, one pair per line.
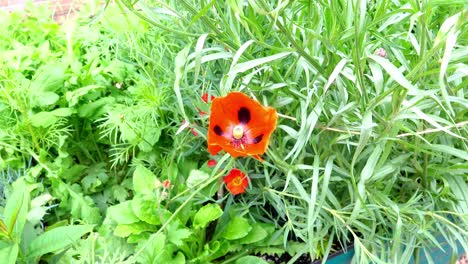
50,78
124,230
16,210
149,211
45,99
95,109
9,253
449,150
207,214
177,235
196,177
143,180
82,207
57,239
153,250
122,213
250,260
180,61
43,119
395,73
257,233
74,96
47,119
237,228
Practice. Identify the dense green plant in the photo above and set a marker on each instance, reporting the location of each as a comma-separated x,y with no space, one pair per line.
21,241
370,149
372,146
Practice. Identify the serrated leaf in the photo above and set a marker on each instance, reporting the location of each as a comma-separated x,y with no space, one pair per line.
56,239
207,214
177,235
237,228
82,207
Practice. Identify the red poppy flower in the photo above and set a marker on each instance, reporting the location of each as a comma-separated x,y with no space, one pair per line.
240,126
211,163
204,97
236,181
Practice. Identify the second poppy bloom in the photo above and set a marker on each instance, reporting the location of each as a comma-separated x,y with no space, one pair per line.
236,182
240,126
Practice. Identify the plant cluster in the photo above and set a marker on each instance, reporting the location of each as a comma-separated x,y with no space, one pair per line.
221,131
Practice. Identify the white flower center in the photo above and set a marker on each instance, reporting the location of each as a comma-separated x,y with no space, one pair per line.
237,132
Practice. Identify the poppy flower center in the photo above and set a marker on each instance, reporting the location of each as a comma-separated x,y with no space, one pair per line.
237,181
238,132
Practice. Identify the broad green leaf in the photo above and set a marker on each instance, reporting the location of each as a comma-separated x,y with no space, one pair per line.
47,119
250,260
238,227
122,213
207,214
197,177
143,180
125,230
49,79
9,253
44,119
16,209
257,233
57,239
45,99
95,109
4,234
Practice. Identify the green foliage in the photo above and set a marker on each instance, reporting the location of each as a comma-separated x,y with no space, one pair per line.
104,119
20,241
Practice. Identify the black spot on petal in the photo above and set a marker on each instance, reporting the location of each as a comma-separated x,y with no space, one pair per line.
257,139
218,131
243,115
